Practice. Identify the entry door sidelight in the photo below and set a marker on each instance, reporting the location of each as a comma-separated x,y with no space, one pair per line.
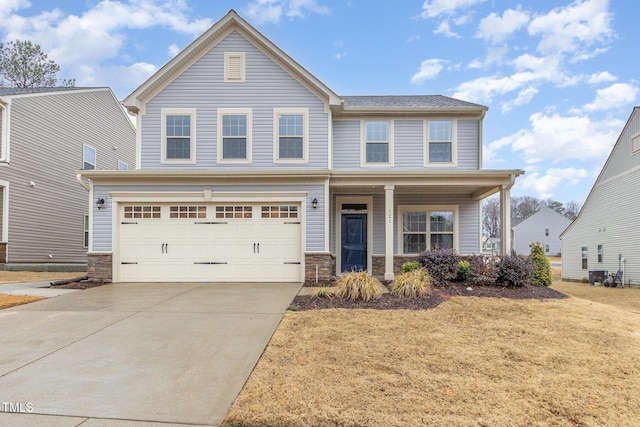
354,242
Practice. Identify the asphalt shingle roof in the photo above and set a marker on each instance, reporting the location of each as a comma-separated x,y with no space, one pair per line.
407,101
4,91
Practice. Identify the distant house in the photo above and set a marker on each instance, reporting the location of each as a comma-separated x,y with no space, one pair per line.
606,233
490,245
250,169
46,136
544,226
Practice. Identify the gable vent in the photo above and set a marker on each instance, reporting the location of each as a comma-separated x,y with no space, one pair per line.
234,64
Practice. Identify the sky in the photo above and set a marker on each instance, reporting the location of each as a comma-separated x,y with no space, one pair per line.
560,77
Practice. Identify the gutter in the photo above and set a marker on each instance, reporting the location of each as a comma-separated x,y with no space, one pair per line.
81,182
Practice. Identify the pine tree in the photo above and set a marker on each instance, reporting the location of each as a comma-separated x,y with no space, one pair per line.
542,272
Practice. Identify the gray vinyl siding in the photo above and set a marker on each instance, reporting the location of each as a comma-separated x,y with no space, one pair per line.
1,139
47,136
267,86
315,220
609,216
409,145
533,229
2,191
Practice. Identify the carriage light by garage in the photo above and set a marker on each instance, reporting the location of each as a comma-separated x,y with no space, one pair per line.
100,203
314,203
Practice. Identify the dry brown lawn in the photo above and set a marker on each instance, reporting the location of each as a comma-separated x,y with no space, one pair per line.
35,276
12,300
625,298
469,362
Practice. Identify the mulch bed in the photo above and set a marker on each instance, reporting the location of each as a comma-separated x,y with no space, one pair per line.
439,294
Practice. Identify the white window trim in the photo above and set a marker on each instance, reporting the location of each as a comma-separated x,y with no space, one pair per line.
428,209
636,137
227,57
235,111
85,146
86,221
277,112
4,136
192,151
454,144
363,145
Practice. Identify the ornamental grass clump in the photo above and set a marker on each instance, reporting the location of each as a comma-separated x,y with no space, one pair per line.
357,285
323,292
412,284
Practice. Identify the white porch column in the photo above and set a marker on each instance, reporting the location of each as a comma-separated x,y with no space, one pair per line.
388,232
505,220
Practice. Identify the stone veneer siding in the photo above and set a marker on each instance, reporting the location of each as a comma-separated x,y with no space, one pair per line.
100,267
326,266
377,261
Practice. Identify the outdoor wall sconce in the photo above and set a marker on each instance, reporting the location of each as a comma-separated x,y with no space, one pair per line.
314,203
100,203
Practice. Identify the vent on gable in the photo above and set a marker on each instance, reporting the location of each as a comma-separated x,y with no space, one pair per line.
234,64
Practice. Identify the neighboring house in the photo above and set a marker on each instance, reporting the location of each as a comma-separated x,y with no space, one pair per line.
251,169
544,226
46,136
490,245
606,233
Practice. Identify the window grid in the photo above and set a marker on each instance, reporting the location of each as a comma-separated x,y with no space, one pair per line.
291,136
89,158
440,141
152,212
178,134
415,232
377,142
233,212
234,136
187,212
279,212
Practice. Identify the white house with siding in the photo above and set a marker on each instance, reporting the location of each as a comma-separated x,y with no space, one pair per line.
606,233
544,226
251,169
46,136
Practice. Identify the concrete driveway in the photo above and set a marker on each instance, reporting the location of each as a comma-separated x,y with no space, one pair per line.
135,354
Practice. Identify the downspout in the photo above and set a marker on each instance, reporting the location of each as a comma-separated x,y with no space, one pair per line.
81,182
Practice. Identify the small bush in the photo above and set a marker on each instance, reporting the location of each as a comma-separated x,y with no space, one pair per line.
357,285
464,268
323,292
292,307
410,266
441,264
412,284
585,280
542,274
483,270
515,271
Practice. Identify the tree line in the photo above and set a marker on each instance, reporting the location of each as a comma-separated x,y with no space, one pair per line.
522,207
24,65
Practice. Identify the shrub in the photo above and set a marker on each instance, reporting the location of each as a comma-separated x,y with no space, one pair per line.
410,266
441,264
323,292
464,268
515,271
542,274
585,280
412,284
357,285
483,270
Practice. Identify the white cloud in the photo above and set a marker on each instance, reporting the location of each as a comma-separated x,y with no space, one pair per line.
496,29
575,28
557,138
429,69
618,95
544,183
445,29
483,89
173,49
433,8
601,77
270,11
524,97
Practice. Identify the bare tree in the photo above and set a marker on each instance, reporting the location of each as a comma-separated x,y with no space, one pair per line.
491,216
555,205
24,65
572,210
525,206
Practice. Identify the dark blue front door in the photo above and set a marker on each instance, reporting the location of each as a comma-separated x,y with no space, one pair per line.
354,242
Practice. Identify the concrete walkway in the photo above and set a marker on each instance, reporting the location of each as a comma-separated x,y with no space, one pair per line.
34,289
135,354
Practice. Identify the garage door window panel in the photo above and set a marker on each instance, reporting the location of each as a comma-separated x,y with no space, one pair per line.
234,212
279,212
187,212
134,212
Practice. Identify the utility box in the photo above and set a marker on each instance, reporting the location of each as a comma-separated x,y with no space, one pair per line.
597,276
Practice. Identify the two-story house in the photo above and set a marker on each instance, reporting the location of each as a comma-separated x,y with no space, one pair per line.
46,136
251,169
544,226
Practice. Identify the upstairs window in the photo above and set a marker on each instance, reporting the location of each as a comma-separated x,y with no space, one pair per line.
234,67
546,232
377,143
440,142
89,158
600,254
291,135
122,166
234,135
178,135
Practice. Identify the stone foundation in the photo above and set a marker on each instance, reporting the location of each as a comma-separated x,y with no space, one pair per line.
100,267
326,266
377,264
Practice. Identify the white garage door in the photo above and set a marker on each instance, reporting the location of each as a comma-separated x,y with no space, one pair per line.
210,243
